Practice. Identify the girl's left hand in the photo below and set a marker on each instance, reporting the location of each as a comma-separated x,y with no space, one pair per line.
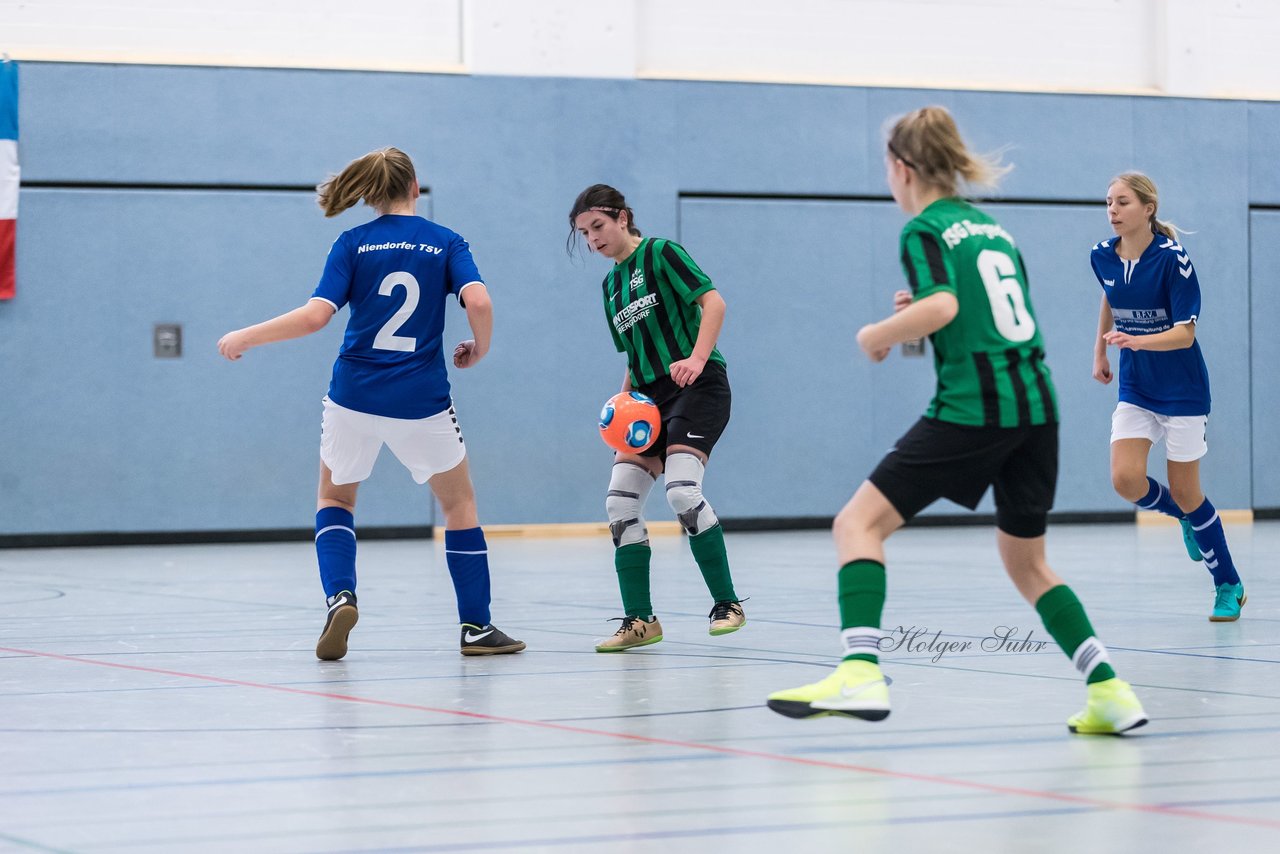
1122,340
464,355
685,371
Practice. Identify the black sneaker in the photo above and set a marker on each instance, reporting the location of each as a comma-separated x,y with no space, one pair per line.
342,618
487,640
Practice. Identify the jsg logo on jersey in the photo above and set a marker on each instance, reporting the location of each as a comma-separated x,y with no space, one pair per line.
637,280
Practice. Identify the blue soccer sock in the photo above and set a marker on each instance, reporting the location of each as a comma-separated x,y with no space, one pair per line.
1212,540
1160,499
468,557
336,549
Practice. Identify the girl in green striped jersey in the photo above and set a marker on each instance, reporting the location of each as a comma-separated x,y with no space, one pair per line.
992,422
666,315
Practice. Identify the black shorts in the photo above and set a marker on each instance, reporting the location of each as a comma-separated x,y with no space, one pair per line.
695,415
936,459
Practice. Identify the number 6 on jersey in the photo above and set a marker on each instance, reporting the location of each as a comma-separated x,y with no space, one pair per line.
1008,308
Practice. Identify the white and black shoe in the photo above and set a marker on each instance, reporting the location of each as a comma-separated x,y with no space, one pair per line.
487,640
341,620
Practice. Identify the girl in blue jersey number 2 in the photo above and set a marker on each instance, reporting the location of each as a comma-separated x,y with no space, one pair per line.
390,385
1150,303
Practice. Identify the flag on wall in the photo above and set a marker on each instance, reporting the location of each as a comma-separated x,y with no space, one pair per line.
8,175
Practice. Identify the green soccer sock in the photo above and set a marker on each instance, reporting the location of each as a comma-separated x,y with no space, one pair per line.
713,559
632,563
1069,625
862,588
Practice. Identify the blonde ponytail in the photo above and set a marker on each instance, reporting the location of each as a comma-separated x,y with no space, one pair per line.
380,177
928,141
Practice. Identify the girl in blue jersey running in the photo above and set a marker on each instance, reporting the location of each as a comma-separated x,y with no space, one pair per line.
390,385
1150,304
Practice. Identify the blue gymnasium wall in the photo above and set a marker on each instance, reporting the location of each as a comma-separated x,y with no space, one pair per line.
101,436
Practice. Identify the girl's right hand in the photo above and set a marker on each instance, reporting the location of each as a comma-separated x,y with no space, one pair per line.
233,344
1102,369
901,299
874,353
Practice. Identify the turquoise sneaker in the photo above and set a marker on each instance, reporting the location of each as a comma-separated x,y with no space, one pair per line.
856,689
1189,540
1112,708
1227,602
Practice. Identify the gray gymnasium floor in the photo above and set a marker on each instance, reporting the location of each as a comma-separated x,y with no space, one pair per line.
168,699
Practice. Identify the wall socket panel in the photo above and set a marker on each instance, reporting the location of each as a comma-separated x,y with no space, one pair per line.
913,347
167,340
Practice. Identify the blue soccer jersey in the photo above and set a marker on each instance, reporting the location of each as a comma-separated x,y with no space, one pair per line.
1150,295
396,273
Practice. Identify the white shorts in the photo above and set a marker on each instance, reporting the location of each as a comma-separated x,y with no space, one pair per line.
350,442
1183,435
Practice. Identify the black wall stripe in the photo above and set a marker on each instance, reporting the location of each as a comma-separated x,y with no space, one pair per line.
171,186
1019,387
750,195
160,538
933,255
987,382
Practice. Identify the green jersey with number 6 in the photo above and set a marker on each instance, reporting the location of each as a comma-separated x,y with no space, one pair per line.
990,357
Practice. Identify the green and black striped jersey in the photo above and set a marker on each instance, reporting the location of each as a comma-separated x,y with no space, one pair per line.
651,301
990,358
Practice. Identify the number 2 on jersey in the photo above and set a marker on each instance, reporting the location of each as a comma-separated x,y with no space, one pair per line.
387,339
1008,306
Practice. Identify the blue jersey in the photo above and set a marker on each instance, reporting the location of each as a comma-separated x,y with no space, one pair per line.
396,273
1150,295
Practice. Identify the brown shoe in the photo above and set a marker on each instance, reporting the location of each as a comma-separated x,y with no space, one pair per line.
726,617
632,633
341,620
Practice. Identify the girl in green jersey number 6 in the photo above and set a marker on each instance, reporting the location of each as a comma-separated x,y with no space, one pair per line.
993,421
665,314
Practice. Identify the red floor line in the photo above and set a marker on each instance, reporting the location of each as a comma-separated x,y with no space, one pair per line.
688,745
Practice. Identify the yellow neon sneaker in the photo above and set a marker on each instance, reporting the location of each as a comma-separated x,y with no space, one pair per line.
1112,708
856,689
